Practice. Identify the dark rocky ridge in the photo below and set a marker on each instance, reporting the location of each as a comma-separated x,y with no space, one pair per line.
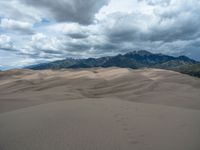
134,60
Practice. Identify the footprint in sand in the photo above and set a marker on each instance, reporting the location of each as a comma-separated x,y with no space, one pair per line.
124,125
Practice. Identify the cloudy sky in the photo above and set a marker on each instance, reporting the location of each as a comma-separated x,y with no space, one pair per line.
35,31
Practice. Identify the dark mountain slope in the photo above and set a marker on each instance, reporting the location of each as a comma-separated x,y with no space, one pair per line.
134,60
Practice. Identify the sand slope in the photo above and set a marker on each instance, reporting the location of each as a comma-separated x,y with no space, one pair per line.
99,109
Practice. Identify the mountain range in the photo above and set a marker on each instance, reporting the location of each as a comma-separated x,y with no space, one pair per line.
134,60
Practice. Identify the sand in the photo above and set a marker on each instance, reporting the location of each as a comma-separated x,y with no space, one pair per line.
99,109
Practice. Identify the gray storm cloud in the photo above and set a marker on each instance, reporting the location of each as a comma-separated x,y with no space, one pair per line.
81,11
75,28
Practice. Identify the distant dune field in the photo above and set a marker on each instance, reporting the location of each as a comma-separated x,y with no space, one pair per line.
99,109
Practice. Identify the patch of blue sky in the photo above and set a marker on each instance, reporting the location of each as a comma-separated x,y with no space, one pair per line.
43,22
8,59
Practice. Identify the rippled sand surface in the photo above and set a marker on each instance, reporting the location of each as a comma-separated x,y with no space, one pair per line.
99,109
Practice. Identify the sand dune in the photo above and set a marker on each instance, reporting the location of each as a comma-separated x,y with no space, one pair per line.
99,109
